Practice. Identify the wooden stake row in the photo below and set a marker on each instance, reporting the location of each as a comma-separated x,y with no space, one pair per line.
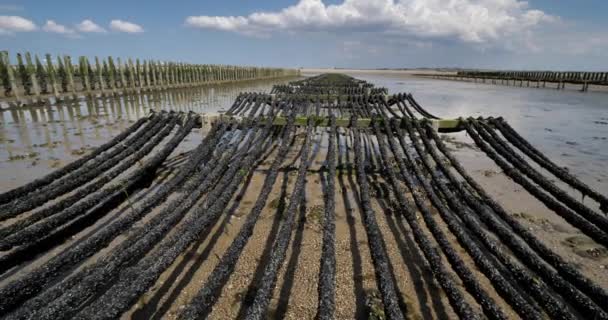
30,78
570,76
538,79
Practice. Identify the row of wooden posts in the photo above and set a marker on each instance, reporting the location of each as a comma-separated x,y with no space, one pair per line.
570,76
31,78
529,78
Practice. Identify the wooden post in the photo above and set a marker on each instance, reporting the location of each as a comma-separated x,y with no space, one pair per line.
50,69
170,74
99,75
197,74
146,76
185,73
92,78
158,65
182,73
192,74
138,72
167,74
10,83
129,76
123,71
61,72
160,73
3,75
121,74
23,76
84,74
133,73
69,69
153,70
152,74
112,74
31,70
175,74
41,76
179,73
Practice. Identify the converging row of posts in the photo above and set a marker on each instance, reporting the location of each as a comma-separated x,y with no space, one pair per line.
536,78
32,78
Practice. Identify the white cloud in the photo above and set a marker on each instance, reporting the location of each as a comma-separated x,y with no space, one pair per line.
125,26
89,26
54,27
11,24
221,23
474,21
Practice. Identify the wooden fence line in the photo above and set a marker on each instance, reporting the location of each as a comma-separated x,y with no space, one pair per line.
538,78
31,80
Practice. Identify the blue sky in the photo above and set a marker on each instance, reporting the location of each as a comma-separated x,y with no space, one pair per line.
538,34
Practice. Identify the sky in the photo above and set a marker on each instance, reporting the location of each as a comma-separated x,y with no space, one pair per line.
494,34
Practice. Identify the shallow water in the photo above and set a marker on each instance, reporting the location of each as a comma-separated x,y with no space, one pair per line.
35,140
570,127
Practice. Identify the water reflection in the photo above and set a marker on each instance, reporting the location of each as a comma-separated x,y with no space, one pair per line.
37,139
